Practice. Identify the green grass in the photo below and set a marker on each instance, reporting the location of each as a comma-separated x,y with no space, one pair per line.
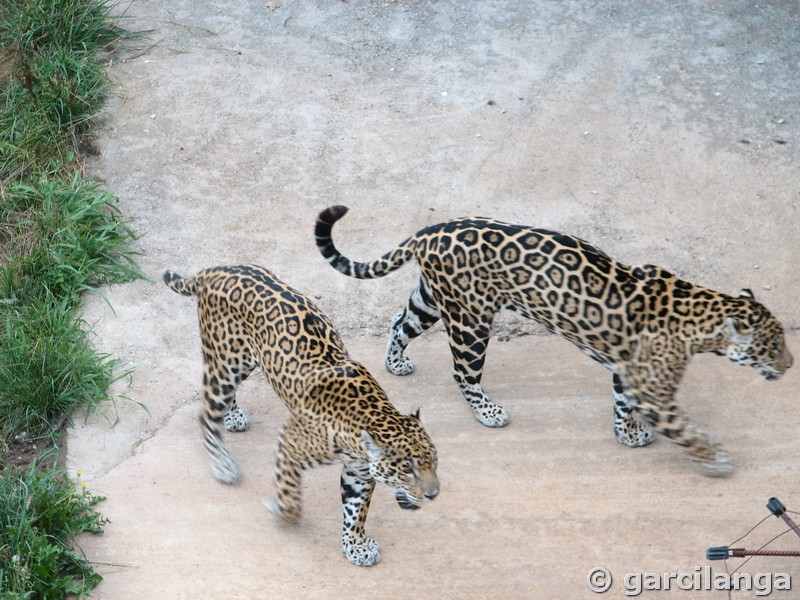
43,121
48,368
34,24
39,510
58,84
60,237
63,237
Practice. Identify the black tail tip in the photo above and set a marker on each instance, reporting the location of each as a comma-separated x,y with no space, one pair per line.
169,277
332,214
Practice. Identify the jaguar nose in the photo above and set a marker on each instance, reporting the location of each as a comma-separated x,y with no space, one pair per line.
429,485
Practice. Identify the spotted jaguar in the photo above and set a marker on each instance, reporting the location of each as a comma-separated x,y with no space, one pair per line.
248,319
642,323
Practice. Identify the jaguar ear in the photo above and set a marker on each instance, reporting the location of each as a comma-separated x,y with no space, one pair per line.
737,337
374,452
747,293
415,415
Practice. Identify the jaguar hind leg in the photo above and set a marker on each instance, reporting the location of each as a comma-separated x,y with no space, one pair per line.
236,418
223,466
418,316
629,430
220,380
218,397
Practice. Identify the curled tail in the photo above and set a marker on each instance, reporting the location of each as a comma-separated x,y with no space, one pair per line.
187,287
391,261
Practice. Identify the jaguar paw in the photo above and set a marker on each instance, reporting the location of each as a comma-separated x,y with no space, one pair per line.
362,554
236,420
225,469
634,435
720,466
290,515
400,366
492,416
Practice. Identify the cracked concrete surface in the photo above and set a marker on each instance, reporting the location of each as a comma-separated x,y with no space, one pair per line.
662,133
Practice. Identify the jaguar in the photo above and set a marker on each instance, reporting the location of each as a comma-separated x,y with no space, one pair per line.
249,318
642,323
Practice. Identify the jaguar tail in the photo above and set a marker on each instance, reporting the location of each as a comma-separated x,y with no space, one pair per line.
187,287
391,261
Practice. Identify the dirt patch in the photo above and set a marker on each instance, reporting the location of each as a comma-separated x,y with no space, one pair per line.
663,135
21,452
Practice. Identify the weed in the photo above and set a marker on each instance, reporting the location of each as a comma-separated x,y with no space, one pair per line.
60,239
48,111
41,511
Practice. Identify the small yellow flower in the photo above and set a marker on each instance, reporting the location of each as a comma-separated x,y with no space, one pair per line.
83,485
79,473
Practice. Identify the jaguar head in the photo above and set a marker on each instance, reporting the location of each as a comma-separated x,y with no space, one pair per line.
404,460
756,338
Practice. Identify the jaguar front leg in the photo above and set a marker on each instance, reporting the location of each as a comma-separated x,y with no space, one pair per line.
292,457
708,457
654,401
629,430
357,485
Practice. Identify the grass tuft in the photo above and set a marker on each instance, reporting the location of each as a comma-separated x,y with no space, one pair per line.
41,511
72,24
64,238
48,368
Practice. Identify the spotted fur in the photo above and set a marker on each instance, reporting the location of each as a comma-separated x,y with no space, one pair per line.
249,318
642,323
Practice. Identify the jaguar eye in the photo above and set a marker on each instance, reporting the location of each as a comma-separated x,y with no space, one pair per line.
408,467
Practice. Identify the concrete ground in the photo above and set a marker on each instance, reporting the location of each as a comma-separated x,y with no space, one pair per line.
662,133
